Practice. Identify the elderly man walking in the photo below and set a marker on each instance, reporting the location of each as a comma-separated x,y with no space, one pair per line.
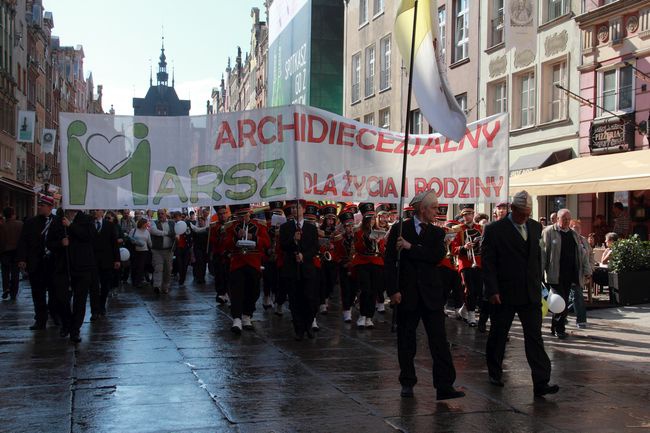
420,295
512,275
564,262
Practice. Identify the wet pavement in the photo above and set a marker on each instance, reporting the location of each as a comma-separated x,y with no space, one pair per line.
170,364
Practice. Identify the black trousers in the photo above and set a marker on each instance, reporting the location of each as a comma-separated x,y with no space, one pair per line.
281,293
371,284
530,316
41,282
99,289
244,291
182,258
76,290
303,302
200,264
559,320
327,279
348,288
221,274
10,273
444,373
473,278
270,278
138,261
451,279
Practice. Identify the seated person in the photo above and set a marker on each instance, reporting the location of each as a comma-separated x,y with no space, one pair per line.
600,275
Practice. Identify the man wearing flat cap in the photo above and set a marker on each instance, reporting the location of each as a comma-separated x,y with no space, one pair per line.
417,290
512,275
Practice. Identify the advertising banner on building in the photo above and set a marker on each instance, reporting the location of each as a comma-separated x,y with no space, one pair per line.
26,126
114,162
289,52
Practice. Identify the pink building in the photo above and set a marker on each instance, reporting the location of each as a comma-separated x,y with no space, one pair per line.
615,78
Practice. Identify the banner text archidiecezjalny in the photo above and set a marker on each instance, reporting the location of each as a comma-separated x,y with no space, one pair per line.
112,162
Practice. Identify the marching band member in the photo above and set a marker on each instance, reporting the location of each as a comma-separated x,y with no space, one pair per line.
368,265
344,248
467,247
382,223
311,218
270,273
392,213
247,240
217,252
329,260
299,243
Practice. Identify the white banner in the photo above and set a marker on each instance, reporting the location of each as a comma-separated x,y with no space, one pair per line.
48,140
26,126
113,162
521,30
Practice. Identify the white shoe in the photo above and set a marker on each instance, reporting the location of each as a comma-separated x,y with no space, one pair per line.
236,326
247,323
278,310
266,304
380,307
463,313
322,309
369,324
314,326
361,322
347,316
472,320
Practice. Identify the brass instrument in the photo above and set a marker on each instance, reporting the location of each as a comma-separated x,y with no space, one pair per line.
470,251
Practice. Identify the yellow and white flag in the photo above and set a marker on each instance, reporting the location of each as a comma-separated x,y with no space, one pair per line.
430,88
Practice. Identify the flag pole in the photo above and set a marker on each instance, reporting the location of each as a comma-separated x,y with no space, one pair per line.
405,157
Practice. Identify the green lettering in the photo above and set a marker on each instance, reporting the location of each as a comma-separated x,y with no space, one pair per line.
177,189
80,164
277,165
231,179
209,189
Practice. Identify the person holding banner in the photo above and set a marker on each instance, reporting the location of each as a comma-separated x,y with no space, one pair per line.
416,289
512,270
162,244
299,244
246,240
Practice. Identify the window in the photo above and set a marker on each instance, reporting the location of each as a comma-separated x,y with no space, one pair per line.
384,63
525,100
462,101
556,8
369,119
442,33
416,122
498,94
363,12
379,7
461,33
356,77
617,89
384,118
558,96
370,71
497,23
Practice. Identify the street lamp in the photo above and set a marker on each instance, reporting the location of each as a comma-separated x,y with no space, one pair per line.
44,174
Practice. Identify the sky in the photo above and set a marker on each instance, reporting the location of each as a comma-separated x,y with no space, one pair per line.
121,38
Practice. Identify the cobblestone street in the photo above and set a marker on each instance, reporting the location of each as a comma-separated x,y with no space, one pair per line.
170,363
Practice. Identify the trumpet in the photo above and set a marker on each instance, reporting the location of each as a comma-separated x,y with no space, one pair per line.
470,251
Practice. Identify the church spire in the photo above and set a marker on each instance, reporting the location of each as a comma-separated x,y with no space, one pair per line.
162,75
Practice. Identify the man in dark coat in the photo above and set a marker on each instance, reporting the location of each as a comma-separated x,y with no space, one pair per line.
513,276
107,257
299,244
420,294
71,241
33,257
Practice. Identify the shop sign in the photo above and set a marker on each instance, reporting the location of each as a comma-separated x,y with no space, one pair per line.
612,135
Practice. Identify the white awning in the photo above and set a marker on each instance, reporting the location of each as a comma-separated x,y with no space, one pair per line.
627,171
